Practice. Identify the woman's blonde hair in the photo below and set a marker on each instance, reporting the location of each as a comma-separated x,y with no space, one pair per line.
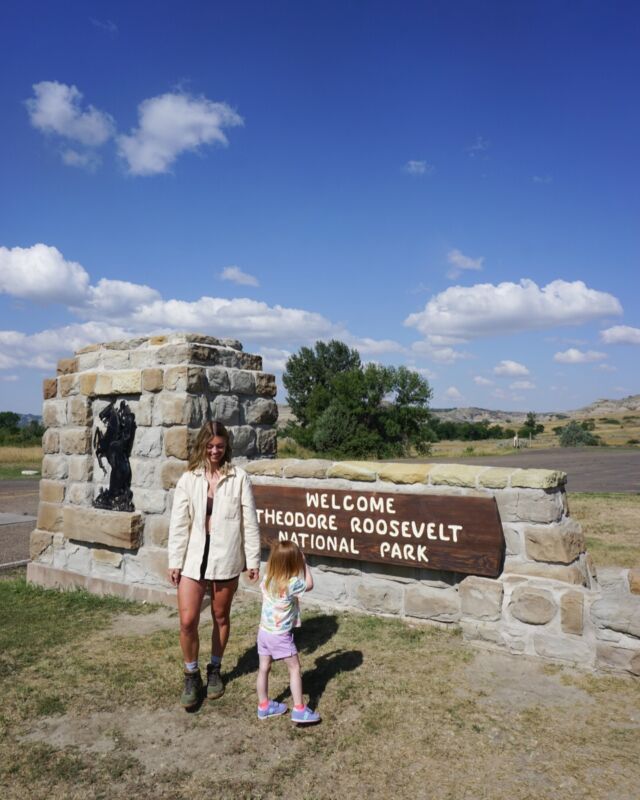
198,455
285,562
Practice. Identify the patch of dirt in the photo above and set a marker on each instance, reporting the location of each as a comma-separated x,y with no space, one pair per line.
214,745
143,624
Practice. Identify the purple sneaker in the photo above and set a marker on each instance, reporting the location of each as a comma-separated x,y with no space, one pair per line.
274,709
304,716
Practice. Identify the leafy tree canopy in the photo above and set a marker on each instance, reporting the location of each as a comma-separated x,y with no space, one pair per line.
346,409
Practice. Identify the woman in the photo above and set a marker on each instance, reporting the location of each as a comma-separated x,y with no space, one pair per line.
213,537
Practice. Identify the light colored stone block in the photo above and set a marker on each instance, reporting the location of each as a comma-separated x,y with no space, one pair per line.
51,491
126,381
87,383
151,501
266,442
241,381
171,471
454,475
68,385
617,659
152,379
79,411
269,466
39,543
633,578
561,543
330,587
404,473
439,605
143,410
618,613
260,411
243,440
177,441
226,409
481,598
177,409
528,505
144,472
218,378
54,413
80,494
55,467
156,530
379,599
75,441
311,468
513,540
351,471
80,468
51,441
148,566
266,384
67,365
571,574
49,388
537,479
107,557
147,442
114,528
563,648
88,361
495,478
185,379
476,631
572,613
533,606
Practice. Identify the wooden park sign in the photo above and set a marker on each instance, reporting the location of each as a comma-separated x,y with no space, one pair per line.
451,533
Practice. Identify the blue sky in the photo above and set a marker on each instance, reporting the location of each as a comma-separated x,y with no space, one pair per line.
447,185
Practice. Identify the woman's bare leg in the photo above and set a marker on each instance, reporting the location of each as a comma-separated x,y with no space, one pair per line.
222,593
190,594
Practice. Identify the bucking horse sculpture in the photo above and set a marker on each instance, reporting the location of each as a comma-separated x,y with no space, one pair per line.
114,444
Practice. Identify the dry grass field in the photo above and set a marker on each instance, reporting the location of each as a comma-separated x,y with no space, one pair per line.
14,459
611,524
90,712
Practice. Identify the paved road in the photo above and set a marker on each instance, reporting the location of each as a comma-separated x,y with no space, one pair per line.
589,470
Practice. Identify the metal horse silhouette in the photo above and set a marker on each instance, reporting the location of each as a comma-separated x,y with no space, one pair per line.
115,445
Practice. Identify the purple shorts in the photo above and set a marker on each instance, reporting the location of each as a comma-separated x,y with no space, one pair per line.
276,645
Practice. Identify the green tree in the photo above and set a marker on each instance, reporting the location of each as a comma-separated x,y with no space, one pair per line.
531,426
574,435
9,420
359,411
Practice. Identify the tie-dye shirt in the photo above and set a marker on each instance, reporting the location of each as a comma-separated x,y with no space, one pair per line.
281,613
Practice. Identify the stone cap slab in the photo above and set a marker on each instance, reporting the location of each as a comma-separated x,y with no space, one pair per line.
120,529
468,476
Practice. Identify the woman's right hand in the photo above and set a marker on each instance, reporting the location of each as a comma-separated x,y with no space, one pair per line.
174,576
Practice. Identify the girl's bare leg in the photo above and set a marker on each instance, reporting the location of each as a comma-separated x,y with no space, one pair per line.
221,598
190,594
295,678
262,682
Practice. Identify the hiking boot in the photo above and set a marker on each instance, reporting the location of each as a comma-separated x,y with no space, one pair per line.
304,716
192,689
215,686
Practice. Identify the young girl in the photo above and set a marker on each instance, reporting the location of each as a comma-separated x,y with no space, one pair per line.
281,587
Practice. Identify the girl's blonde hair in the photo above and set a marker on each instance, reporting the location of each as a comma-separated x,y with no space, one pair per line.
198,455
285,562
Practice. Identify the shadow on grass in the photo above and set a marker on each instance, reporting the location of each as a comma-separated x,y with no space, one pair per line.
315,632
315,681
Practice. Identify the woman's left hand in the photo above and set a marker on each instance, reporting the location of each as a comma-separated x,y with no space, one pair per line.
253,575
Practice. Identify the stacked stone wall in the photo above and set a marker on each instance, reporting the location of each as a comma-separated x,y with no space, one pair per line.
173,384
548,602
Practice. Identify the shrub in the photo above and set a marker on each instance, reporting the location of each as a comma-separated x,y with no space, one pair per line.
574,435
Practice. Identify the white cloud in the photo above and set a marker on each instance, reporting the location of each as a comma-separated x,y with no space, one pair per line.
73,158
372,347
453,394
423,372
9,378
480,145
500,394
542,179
480,381
522,385
171,124
236,275
117,300
605,368
274,359
443,355
510,368
42,274
56,108
418,168
575,356
460,262
620,334
490,310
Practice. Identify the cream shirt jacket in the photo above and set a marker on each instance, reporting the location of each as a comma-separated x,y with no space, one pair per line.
235,536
